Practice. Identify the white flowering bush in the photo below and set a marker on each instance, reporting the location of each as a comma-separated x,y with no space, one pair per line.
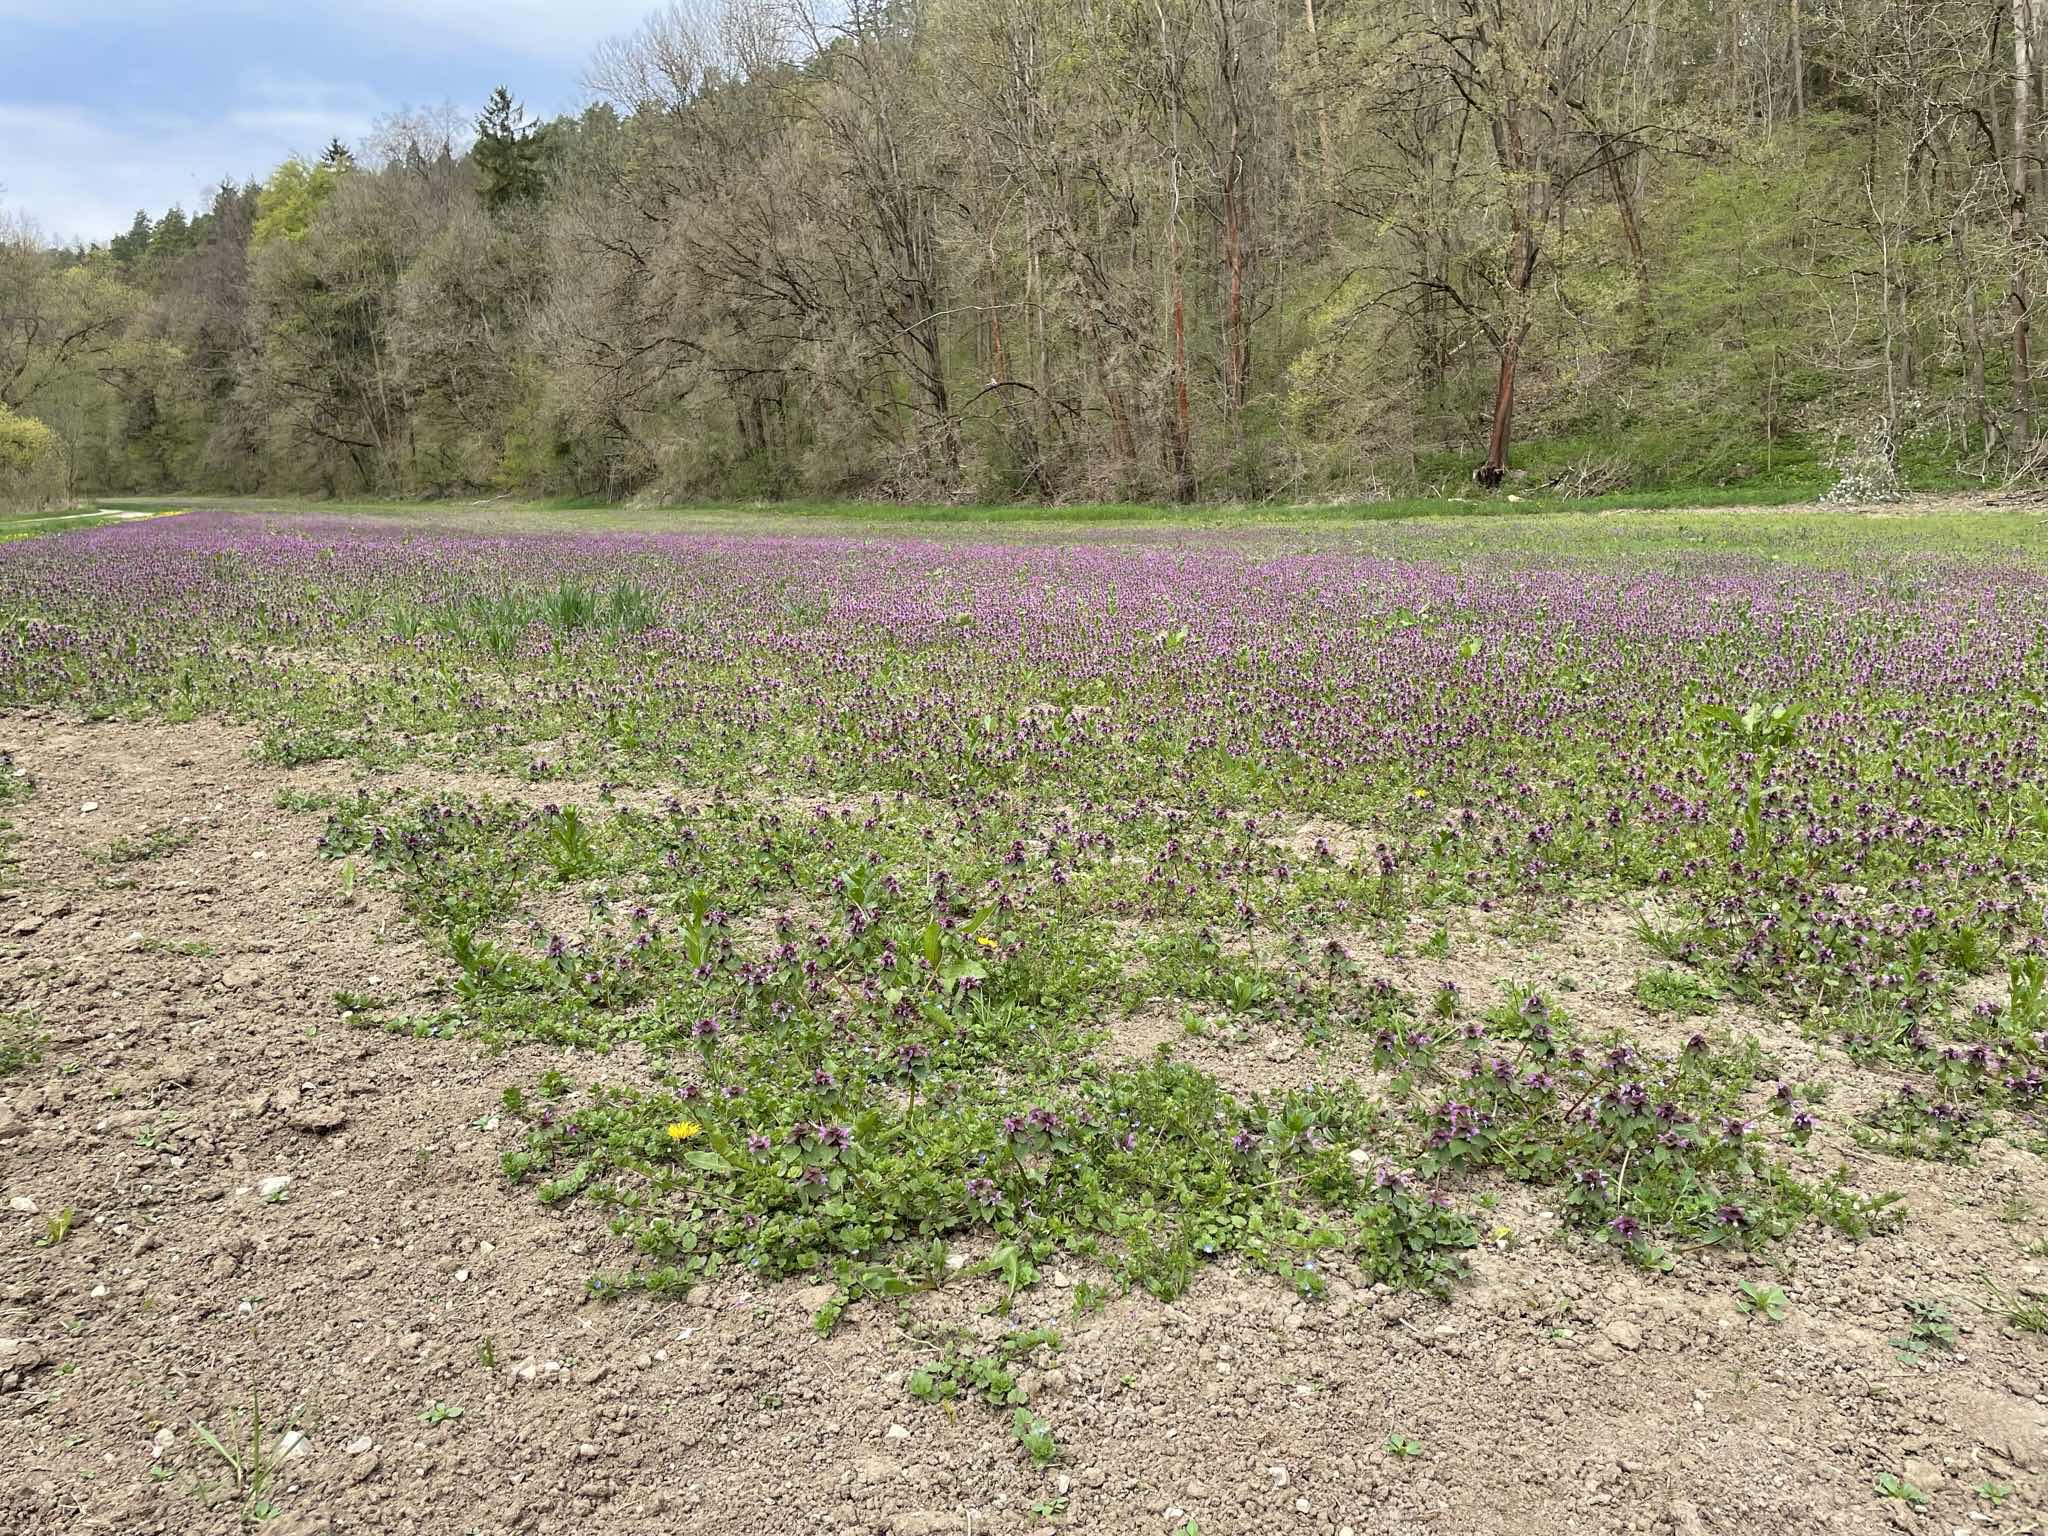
1867,470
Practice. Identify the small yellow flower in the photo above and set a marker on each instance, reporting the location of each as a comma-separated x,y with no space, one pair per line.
1422,794
984,941
683,1130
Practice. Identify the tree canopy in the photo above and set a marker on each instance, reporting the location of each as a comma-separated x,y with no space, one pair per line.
1217,248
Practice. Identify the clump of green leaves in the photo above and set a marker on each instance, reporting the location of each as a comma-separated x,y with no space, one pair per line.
290,744
1675,993
1763,1300
1411,1239
2024,1308
21,1042
158,842
1035,1435
1930,1330
56,1228
1645,1145
991,1376
1891,1486
251,1464
1942,1129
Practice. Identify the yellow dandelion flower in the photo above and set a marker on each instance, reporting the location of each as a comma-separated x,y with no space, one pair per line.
984,941
683,1130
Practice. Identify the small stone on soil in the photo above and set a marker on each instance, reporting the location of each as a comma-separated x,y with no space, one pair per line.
1623,1334
320,1119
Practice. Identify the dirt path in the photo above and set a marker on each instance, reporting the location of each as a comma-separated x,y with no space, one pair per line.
191,1051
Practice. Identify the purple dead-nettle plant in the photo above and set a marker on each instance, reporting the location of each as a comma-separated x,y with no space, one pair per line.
1827,777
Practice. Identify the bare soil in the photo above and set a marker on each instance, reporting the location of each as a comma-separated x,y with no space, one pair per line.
192,1051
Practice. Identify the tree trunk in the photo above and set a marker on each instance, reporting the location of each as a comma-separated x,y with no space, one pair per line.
1180,435
998,370
1238,368
1180,453
1494,470
1122,441
2016,223
1798,64
1973,334
1233,209
1308,13
1625,206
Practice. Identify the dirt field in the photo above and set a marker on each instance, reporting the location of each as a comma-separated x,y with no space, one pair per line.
192,1061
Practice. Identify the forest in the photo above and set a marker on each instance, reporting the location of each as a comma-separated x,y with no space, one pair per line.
1061,250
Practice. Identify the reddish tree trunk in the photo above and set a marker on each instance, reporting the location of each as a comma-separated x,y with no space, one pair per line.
1494,470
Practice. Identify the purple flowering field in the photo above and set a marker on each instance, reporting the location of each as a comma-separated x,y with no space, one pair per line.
1358,914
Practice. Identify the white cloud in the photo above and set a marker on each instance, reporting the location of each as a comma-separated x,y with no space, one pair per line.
79,155
274,88
547,29
300,112
51,13
80,175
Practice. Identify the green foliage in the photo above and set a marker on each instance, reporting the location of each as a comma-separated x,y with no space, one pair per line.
991,1376
1035,1435
156,843
57,1228
1659,1150
798,1145
291,199
1930,1331
2025,1309
1763,1300
1672,992
1891,1486
560,310
24,442
865,952
32,467
510,154
251,1464
21,1042
129,249
1942,1129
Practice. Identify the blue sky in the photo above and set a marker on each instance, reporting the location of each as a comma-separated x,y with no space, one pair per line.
107,106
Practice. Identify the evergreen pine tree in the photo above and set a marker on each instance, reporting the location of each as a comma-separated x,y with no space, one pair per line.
509,154
130,248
